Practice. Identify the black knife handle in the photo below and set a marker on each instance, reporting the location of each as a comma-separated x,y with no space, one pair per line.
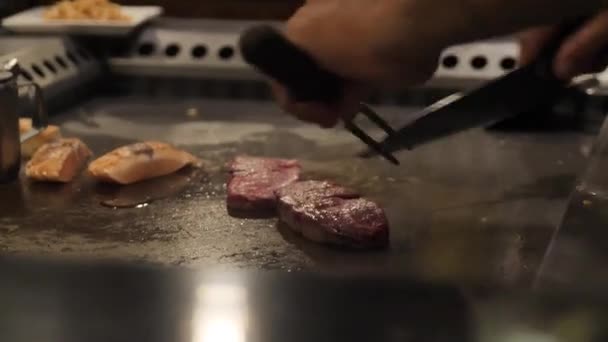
269,51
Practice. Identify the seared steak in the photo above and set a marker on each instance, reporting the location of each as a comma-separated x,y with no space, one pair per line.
254,180
327,213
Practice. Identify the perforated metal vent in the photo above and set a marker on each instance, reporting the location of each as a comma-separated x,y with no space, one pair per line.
208,49
469,65
55,64
195,49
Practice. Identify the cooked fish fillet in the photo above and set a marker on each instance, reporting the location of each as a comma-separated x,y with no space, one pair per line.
30,146
58,161
140,161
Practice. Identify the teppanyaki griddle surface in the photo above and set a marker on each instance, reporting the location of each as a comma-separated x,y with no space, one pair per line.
474,207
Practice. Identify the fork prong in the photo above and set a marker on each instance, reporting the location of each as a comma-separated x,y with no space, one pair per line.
377,119
370,142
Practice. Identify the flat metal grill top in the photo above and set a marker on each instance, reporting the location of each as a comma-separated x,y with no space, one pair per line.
477,207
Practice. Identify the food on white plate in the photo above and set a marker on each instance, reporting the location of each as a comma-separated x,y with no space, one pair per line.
102,10
330,214
140,161
30,146
254,180
58,161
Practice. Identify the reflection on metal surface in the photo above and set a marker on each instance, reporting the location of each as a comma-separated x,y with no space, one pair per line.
192,112
578,250
528,336
220,313
69,302
142,194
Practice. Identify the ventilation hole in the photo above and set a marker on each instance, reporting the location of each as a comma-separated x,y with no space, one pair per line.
172,50
27,75
72,58
49,66
38,71
450,61
226,52
83,54
199,51
61,62
508,63
479,62
146,49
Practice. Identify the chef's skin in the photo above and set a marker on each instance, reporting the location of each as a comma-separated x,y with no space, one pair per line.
397,43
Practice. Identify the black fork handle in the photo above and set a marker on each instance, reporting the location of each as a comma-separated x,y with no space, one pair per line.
269,51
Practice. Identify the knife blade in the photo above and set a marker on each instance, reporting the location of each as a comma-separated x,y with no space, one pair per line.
307,81
529,87
516,93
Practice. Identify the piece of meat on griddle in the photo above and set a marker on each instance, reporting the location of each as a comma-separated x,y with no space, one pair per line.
330,214
254,180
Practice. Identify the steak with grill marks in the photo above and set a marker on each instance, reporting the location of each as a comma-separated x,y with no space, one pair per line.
327,213
254,180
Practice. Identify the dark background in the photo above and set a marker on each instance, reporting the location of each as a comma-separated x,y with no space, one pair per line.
225,9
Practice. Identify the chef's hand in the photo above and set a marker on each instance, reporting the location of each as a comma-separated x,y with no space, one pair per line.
585,51
397,43
369,43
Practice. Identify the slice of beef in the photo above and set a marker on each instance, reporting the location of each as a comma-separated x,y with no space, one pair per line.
327,213
254,180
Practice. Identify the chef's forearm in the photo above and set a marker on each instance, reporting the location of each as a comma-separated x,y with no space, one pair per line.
479,19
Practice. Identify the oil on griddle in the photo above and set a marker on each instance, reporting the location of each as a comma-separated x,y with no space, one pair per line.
475,207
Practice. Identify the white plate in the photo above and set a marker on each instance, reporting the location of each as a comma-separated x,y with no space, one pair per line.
32,21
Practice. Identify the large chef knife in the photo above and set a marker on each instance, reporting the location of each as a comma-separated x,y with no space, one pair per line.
520,91
529,87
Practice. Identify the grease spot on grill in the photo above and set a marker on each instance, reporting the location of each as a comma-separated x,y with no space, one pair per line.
143,194
121,203
192,112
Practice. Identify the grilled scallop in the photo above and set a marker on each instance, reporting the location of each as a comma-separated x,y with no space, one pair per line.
140,161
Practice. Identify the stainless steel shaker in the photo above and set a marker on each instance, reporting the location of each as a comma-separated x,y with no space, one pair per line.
10,139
